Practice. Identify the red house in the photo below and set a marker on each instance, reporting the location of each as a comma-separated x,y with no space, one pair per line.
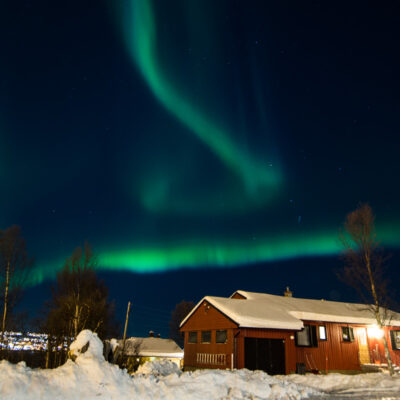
284,334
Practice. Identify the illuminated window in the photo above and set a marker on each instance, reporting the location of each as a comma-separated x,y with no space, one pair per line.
307,337
221,337
192,338
395,337
347,334
322,332
206,337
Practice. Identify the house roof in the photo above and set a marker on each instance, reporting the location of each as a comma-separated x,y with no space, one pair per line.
261,310
151,347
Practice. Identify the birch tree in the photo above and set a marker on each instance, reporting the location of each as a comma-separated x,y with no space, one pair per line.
80,299
364,267
14,269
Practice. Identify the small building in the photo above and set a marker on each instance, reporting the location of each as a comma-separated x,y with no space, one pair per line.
138,350
284,334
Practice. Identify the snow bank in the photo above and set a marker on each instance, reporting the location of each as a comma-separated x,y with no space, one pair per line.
91,377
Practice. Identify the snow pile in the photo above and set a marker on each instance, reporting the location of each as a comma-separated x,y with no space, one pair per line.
87,346
159,368
91,377
88,377
372,382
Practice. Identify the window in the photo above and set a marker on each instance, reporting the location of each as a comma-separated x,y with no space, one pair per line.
206,337
192,338
322,332
307,337
221,336
347,334
395,337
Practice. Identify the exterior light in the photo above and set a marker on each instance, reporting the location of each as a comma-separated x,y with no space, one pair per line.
375,332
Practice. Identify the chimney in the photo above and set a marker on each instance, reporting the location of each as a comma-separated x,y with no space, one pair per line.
288,292
151,334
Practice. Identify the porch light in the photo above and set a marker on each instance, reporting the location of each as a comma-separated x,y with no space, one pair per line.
375,332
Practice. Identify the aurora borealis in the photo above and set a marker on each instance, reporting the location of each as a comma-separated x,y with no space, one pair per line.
141,41
196,135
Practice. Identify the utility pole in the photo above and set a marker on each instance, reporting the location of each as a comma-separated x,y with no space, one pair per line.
126,326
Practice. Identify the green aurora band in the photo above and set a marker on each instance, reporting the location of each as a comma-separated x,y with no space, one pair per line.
155,259
140,36
234,253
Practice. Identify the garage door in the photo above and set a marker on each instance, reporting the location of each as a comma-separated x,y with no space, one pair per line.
265,354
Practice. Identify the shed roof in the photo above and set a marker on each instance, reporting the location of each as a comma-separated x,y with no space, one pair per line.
151,347
261,310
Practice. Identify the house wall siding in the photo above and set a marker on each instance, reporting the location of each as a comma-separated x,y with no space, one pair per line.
331,354
395,354
207,317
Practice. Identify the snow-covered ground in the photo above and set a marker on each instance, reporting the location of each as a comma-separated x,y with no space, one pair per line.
91,377
363,386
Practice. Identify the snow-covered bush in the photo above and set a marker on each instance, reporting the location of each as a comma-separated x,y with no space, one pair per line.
159,368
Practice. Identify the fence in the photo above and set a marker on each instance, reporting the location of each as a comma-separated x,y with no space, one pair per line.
211,359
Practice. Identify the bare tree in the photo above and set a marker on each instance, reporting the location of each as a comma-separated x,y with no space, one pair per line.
180,311
80,301
14,269
364,266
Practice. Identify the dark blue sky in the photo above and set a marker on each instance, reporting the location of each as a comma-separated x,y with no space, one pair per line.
231,137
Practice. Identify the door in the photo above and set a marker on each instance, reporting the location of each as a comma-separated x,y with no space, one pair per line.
363,350
265,354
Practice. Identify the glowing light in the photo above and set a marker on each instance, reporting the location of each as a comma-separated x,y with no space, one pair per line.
375,332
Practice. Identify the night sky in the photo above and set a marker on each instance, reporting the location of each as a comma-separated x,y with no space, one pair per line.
200,146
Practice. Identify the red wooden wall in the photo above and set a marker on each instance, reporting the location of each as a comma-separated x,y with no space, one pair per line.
331,354
395,354
207,317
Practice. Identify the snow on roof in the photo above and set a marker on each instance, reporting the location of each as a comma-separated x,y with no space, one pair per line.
261,310
151,347
320,310
251,314
255,314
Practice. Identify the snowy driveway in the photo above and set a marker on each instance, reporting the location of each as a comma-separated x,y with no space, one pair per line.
340,386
